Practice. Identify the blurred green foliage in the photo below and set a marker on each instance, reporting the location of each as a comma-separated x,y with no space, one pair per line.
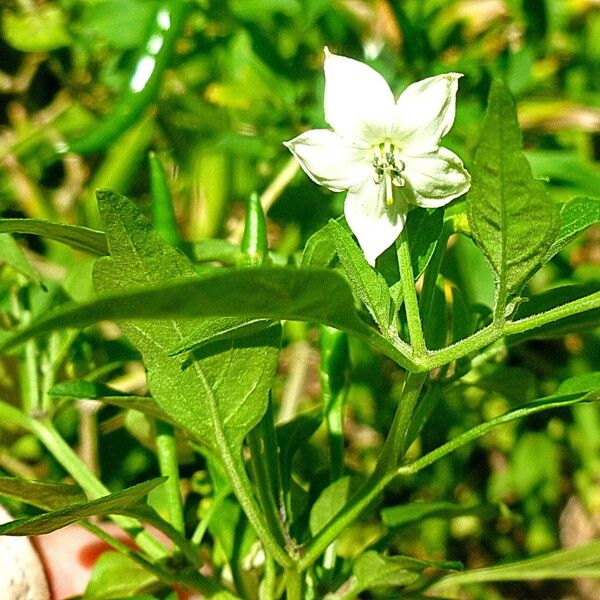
244,76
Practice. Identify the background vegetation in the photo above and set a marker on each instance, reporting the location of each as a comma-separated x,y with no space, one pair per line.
244,76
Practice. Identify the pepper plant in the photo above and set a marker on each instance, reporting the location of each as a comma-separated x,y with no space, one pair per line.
250,499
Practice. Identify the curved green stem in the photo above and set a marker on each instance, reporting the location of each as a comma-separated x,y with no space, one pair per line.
168,464
394,446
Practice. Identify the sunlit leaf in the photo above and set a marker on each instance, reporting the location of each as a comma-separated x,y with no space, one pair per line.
505,200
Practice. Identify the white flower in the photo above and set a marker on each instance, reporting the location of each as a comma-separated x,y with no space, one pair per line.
385,153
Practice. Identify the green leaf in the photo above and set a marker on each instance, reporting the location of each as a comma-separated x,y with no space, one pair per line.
319,250
583,561
106,505
373,570
314,295
505,200
80,238
415,512
222,392
39,30
41,494
11,253
565,168
290,437
89,390
580,384
423,227
117,576
211,250
332,499
575,216
218,329
369,285
123,25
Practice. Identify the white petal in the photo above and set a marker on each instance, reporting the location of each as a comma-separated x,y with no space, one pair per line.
425,113
436,178
358,102
375,224
330,160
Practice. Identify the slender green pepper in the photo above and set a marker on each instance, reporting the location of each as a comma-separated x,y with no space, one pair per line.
262,439
254,245
163,215
144,83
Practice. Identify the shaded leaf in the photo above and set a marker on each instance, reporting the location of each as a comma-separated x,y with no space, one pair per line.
38,30
106,505
89,390
11,253
564,167
575,216
117,576
580,384
582,321
423,227
332,499
373,570
41,494
583,561
219,329
408,514
290,437
319,250
80,238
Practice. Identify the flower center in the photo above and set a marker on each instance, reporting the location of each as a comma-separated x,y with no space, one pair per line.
388,167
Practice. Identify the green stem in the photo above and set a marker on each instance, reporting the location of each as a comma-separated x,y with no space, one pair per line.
495,331
205,522
395,443
267,585
349,513
28,368
242,487
64,454
409,293
294,582
383,474
263,483
166,450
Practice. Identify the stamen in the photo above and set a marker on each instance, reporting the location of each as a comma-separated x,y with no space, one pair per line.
388,165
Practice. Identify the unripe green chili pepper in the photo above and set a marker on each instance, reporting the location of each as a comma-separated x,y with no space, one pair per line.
163,214
262,440
144,82
254,247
